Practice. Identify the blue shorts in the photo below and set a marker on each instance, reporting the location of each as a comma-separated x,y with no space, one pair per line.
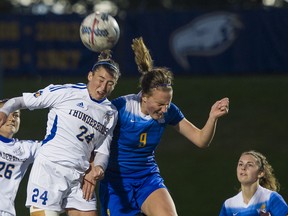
126,196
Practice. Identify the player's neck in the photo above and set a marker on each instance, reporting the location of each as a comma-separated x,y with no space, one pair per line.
6,134
248,191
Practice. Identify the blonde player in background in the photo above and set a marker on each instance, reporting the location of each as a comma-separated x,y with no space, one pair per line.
15,158
258,194
80,121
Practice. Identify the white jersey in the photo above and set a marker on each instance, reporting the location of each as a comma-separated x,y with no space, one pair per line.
263,200
76,124
15,158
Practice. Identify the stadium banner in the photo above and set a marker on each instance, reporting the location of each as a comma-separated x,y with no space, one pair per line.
191,42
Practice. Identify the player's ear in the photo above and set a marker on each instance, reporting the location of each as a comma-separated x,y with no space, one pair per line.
261,174
144,99
90,76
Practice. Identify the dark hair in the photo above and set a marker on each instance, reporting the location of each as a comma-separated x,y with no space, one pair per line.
105,60
4,100
152,77
268,180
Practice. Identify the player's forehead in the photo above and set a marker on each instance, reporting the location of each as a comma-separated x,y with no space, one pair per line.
103,73
161,96
247,158
17,112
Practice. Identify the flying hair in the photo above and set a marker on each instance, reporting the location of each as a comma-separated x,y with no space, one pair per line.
143,58
105,60
4,100
105,55
152,78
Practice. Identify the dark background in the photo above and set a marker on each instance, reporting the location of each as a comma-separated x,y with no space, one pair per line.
198,179
252,72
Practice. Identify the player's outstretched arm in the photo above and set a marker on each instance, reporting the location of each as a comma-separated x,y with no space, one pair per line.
203,137
3,118
10,106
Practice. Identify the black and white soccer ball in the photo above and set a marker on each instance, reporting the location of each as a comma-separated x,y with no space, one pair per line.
99,31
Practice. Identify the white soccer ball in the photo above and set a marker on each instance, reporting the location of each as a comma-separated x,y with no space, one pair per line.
99,31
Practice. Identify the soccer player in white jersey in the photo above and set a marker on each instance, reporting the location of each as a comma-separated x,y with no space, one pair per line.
80,122
258,194
15,158
132,181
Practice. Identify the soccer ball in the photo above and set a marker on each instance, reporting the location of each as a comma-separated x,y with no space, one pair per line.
99,31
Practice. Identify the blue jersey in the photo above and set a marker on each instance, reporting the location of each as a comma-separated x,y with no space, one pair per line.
136,137
263,200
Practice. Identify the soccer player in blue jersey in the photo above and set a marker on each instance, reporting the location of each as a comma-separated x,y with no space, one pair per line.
80,121
258,194
132,181
15,158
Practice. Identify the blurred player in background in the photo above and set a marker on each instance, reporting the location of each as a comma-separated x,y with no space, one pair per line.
15,158
132,182
258,194
80,121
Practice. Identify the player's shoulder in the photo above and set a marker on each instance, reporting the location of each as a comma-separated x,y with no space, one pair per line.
272,195
67,87
126,99
28,143
106,104
173,106
234,200
262,191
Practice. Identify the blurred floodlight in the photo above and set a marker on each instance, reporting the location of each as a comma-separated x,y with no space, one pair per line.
106,7
48,2
59,7
79,8
268,2
25,2
40,9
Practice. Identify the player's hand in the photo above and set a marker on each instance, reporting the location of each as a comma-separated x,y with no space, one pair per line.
220,108
3,118
98,173
88,186
90,180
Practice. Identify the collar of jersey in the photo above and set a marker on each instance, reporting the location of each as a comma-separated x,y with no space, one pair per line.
97,101
5,139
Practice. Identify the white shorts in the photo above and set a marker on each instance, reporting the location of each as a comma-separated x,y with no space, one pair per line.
3,213
55,187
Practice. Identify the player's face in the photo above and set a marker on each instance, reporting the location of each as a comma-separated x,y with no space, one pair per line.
100,83
248,170
156,104
11,126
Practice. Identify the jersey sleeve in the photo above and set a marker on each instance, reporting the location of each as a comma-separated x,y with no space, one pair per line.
278,205
104,147
102,152
174,115
119,103
223,210
47,97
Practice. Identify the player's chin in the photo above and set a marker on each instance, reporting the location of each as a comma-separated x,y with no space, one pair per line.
157,116
100,97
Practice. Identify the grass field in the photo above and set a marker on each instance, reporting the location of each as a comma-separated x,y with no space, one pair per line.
199,179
